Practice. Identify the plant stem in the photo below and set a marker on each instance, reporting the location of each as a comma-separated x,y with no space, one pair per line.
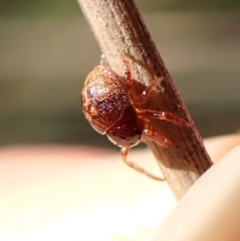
119,28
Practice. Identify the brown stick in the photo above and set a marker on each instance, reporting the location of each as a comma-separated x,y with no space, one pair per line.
119,28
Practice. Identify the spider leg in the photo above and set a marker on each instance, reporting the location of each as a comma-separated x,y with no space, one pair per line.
154,135
130,58
124,154
103,60
127,69
146,93
162,115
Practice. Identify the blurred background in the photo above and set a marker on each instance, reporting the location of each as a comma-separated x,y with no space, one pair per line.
47,49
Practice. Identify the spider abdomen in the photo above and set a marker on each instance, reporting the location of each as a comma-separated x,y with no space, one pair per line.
104,98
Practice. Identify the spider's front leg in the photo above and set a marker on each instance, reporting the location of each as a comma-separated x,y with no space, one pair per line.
163,115
146,93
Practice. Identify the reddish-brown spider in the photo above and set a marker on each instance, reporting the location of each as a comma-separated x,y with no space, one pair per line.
113,106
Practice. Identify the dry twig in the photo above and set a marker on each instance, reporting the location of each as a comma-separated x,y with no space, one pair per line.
119,28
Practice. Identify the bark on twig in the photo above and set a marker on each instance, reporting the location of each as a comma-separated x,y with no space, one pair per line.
119,28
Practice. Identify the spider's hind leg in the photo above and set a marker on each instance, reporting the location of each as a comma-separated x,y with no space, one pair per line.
124,154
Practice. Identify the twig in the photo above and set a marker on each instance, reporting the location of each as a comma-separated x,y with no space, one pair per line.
119,28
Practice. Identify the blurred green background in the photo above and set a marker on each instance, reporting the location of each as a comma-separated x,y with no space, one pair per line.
47,48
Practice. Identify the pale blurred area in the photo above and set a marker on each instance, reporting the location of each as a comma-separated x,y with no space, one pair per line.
47,49
76,193
62,192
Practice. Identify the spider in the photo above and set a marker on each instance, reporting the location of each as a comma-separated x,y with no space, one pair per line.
113,106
